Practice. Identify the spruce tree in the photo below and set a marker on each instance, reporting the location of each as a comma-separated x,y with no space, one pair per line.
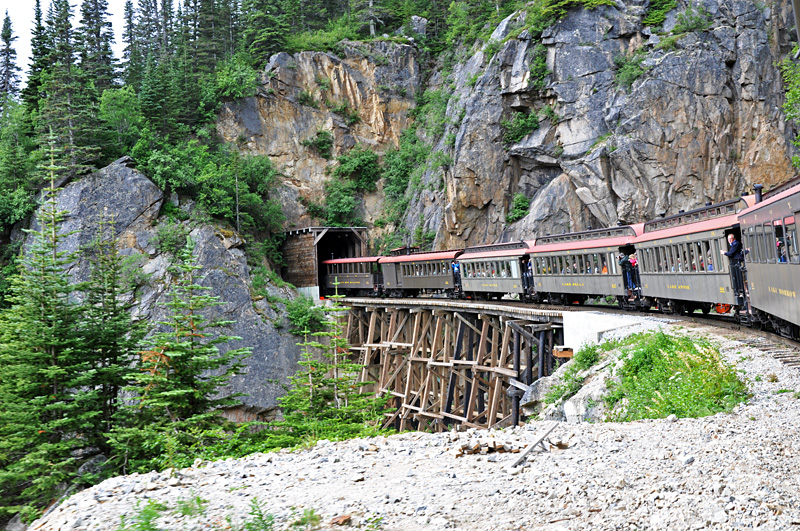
9,78
132,59
180,374
40,46
264,31
111,338
70,104
94,41
44,385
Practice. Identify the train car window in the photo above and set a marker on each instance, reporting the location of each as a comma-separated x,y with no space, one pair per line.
770,243
762,244
780,241
692,258
790,232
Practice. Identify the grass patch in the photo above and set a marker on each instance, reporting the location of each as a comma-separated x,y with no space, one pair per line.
657,12
518,127
666,375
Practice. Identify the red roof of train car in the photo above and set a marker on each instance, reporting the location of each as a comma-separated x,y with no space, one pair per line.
420,257
591,244
353,260
770,200
498,254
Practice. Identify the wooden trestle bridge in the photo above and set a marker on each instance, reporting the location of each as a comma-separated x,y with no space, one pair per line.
448,362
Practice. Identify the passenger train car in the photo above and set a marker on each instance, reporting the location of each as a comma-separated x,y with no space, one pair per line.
682,265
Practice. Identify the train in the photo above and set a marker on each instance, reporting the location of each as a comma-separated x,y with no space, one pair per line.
737,257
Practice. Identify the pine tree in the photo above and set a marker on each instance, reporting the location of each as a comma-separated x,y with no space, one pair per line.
44,382
9,78
264,31
16,168
40,45
111,339
148,28
70,104
94,40
132,59
326,400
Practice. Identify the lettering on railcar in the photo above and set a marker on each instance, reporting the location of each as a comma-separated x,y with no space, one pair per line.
573,284
678,286
784,292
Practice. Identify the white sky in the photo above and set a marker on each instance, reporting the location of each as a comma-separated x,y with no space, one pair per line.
21,14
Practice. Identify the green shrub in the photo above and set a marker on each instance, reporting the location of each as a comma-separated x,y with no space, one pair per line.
693,19
305,316
519,208
323,83
351,116
170,237
666,375
236,78
657,12
322,143
361,166
629,69
538,68
518,127
669,43
571,383
307,98
473,79
327,40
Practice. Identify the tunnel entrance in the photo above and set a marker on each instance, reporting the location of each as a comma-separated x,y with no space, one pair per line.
305,249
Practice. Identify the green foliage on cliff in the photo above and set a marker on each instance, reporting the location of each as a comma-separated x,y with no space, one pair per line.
519,126
790,71
519,208
629,68
657,12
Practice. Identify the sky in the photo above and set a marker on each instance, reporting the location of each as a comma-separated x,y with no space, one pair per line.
21,14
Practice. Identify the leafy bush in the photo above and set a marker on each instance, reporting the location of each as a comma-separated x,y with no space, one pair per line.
307,98
236,78
305,316
629,69
518,127
431,112
657,12
790,71
327,40
538,68
351,116
322,143
666,375
519,208
170,237
361,166
693,19
571,383
669,43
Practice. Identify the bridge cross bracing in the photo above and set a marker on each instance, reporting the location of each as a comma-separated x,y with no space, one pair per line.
446,362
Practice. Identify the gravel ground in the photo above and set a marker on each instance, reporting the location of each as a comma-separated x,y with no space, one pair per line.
729,471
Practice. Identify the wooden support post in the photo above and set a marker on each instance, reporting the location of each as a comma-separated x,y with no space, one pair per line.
514,397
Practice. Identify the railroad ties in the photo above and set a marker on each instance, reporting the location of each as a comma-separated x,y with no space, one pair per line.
447,362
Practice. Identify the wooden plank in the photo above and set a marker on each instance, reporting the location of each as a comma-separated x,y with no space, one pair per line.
541,434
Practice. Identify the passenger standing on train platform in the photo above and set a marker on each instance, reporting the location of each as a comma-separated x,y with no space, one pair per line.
627,270
736,255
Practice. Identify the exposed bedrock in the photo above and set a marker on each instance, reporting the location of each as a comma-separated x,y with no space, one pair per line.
703,122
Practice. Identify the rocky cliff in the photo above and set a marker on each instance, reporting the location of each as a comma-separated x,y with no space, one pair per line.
701,122
122,194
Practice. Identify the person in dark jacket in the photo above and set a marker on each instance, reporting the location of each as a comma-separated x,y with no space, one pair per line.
627,273
736,254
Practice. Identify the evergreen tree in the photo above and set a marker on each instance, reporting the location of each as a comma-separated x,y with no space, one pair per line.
70,104
132,59
148,28
9,78
44,384
95,37
110,337
179,377
40,46
15,164
264,30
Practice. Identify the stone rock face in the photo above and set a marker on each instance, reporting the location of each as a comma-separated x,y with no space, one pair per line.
124,195
300,93
702,123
